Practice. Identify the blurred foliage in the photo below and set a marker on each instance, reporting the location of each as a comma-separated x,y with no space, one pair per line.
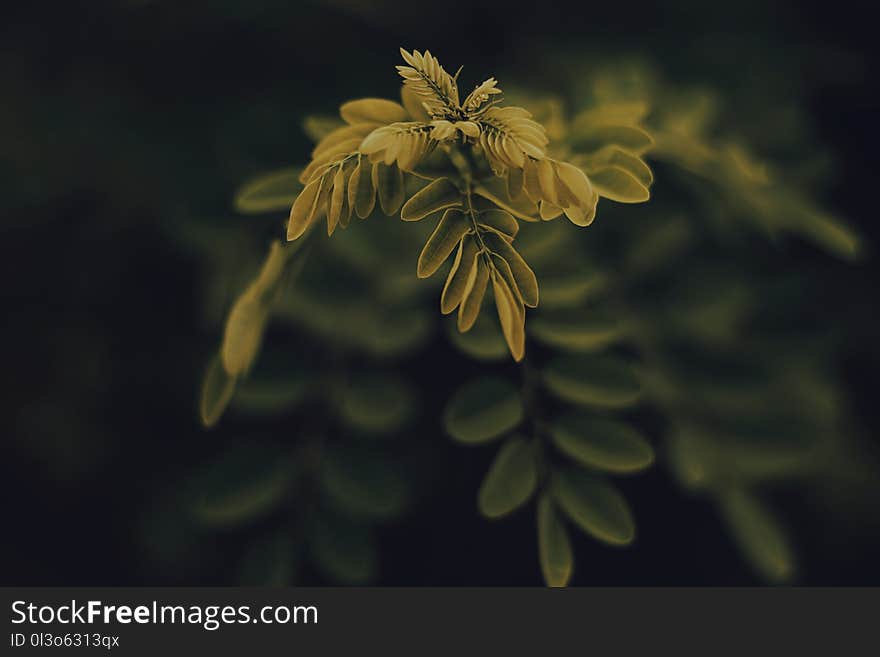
703,335
677,310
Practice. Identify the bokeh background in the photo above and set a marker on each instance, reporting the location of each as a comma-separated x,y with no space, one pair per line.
125,122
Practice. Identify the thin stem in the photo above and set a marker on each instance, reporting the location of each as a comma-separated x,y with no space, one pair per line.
465,170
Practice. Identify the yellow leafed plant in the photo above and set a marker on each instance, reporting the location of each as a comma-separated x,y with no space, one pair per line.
478,167
651,315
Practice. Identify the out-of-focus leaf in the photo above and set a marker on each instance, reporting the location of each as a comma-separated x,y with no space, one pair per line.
829,233
270,397
740,450
483,409
511,479
600,381
588,137
620,185
545,243
554,546
317,127
565,290
601,443
269,192
377,403
632,165
243,484
483,342
243,333
344,550
758,534
363,484
659,244
594,505
352,319
217,389
580,332
269,562
372,110
612,113
688,462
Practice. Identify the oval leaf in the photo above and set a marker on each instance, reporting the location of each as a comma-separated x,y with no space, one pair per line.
615,156
511,479
456,283
438,195
526,282
388,181
303,209
483,409
500,221
269,192
630,138
217,390
554,546
377,404
595,506
575,332
270,397
511,314
361,193
246,322
449,232
603,382
600,443
244,484
758,534
618,184
372,110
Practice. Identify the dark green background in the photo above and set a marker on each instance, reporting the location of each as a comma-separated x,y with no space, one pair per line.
119,119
